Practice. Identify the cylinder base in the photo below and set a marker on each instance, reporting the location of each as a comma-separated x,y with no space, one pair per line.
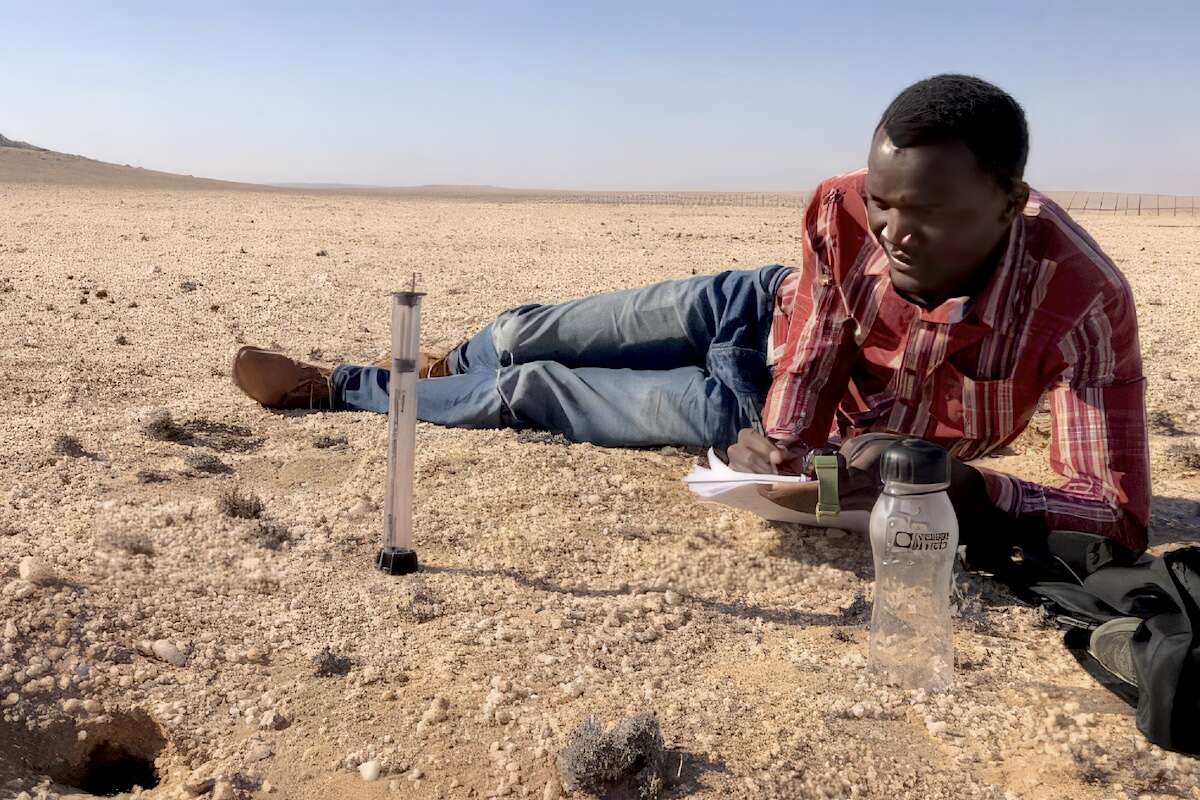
396,560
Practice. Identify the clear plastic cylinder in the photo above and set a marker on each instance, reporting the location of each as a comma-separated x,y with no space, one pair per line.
402,419
914,536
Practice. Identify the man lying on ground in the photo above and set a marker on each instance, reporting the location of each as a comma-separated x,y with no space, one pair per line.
938,297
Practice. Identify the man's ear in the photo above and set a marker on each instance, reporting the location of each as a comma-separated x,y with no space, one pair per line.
1018,196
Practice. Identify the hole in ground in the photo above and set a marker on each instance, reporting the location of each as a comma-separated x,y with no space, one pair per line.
107,757
112,770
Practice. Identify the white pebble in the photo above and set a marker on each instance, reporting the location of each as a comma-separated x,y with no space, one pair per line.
35,571
166,650
369,770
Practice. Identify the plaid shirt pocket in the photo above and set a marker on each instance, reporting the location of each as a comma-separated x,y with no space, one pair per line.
987,410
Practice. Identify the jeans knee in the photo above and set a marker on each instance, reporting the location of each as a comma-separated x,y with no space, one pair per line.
506,332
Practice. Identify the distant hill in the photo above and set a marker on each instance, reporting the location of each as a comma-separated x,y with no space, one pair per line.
21,162
7,142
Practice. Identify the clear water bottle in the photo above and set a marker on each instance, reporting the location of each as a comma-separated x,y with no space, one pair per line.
914,537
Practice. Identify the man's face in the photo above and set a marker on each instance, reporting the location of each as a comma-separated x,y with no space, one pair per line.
938,215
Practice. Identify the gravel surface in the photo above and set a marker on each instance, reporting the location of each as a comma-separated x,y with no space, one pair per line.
260,654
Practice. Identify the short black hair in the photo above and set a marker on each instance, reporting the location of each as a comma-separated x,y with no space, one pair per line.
982,116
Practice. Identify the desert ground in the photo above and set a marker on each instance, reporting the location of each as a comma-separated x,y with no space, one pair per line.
264,656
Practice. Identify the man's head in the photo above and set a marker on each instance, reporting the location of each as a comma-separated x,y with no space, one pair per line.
944,182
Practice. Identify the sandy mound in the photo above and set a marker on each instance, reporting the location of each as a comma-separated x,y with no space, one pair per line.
21,162
171,631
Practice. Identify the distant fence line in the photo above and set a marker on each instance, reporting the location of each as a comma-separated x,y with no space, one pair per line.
1100,202
759,199
1121,203
1075,202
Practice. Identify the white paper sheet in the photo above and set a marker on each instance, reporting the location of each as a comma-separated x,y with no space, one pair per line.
720,483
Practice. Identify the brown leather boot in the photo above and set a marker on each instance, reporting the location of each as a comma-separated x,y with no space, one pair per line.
433,365
277,381
429,365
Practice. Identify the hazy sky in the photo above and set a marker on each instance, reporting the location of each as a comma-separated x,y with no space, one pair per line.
604,95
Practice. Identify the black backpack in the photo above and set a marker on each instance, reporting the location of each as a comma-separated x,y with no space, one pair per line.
1084,580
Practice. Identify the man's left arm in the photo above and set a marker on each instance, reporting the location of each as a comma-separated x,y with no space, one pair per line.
1098,435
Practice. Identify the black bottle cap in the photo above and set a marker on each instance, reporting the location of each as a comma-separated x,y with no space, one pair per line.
397,560
915,461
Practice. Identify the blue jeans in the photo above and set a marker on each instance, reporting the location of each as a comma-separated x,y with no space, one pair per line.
677,363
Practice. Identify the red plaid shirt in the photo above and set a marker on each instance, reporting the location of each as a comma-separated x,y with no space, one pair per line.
850,356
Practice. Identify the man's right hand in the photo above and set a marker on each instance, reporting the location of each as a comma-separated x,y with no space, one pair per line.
754,452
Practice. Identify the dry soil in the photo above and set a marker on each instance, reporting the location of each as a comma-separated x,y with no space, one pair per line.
558,581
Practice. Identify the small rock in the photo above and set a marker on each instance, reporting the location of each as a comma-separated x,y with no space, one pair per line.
273,721
260,753
35,571
369,770
436,711
646,636
200,781
415,774
553,790
223,790
166,650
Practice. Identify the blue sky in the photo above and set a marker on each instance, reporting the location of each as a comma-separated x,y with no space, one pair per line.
611,95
